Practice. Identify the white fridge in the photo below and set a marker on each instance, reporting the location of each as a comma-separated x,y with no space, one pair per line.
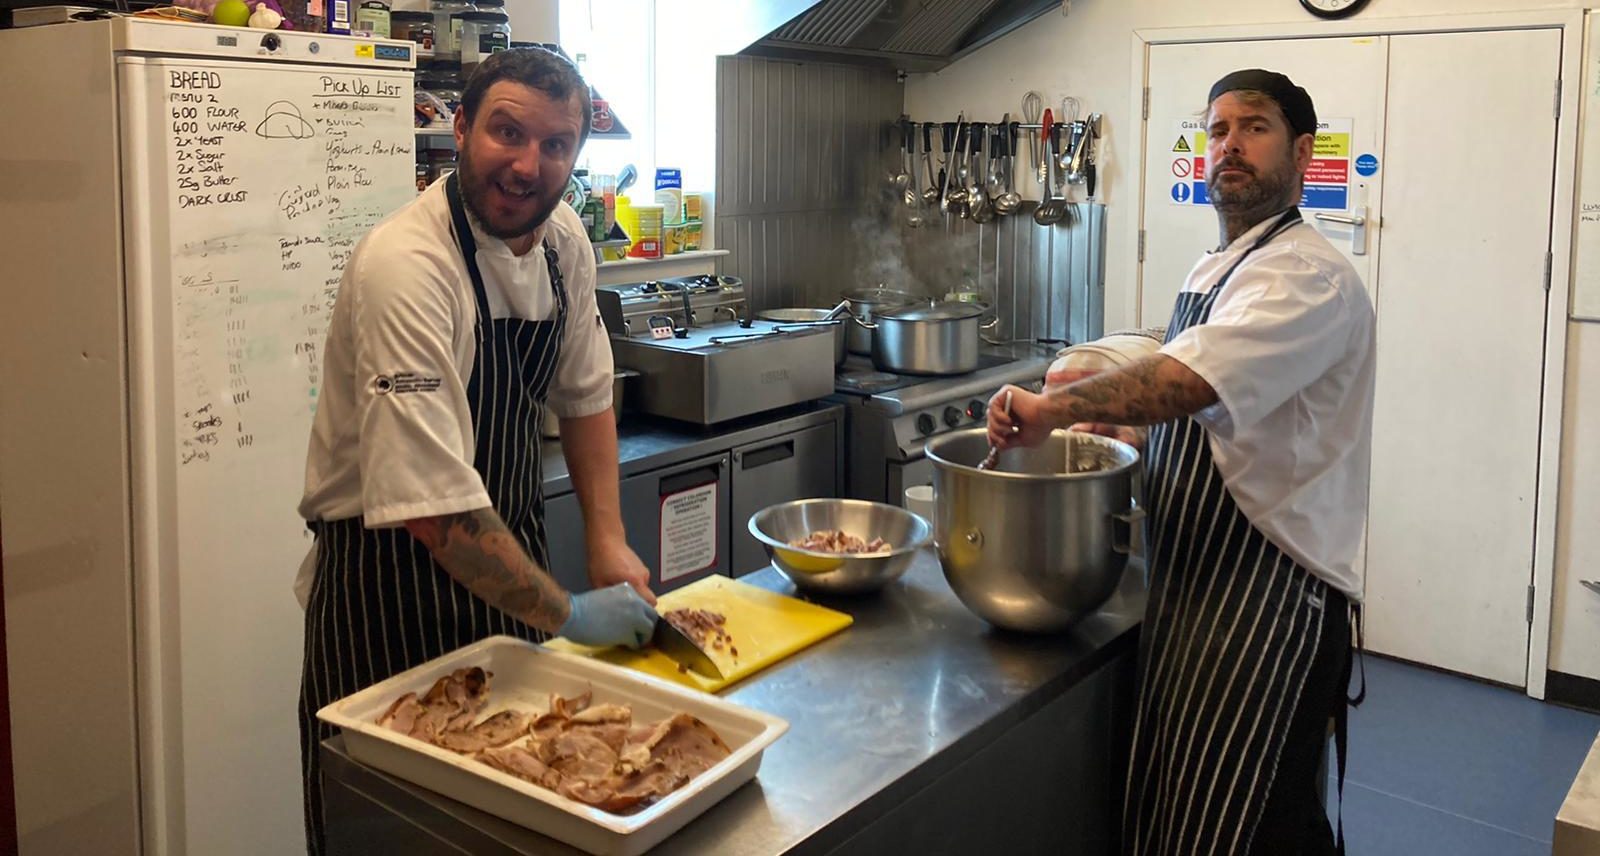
177,203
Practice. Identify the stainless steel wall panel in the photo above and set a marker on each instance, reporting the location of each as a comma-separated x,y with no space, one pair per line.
803,208
1047,282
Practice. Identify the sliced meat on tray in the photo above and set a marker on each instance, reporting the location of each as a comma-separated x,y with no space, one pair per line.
596,755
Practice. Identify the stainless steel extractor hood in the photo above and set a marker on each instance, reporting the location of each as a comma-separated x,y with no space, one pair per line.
904,35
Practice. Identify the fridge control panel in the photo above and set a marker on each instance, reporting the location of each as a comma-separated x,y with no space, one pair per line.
146,35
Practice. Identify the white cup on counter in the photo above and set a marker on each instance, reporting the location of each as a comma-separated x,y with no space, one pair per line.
919,501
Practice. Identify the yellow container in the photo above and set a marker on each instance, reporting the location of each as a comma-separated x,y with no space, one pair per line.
628,219
672,240
692,204
647,241
691,236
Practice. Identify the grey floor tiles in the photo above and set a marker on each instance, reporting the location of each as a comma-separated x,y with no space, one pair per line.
1445,765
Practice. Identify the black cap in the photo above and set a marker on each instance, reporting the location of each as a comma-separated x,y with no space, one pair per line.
1294,101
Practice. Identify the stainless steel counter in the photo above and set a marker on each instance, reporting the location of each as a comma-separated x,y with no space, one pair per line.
919,729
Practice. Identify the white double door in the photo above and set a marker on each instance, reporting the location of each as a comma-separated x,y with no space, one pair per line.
1449,155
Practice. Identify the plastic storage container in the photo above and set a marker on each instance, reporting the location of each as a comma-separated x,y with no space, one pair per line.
446,28
525,676
372,19
415,26
483,32
440,163
647,243
669,195
605,187
444,83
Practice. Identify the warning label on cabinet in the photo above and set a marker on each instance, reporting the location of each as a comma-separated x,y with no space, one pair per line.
688,531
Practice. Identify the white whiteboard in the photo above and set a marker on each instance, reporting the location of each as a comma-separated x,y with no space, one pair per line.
262,179
1586,263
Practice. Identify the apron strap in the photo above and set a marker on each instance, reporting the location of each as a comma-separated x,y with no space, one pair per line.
1286,220
558,282
469,251
1341,716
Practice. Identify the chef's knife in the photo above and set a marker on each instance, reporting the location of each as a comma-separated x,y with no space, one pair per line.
679,647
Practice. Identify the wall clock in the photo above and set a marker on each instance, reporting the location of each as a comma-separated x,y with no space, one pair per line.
1333,8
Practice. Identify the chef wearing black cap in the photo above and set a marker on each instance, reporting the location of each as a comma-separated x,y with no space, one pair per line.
1260,402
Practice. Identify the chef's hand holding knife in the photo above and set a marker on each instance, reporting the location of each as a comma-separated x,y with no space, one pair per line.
615,615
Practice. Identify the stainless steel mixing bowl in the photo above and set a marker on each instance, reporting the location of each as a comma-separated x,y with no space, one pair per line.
1041,541
840,573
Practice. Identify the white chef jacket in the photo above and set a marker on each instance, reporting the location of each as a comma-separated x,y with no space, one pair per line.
1290,350
406,310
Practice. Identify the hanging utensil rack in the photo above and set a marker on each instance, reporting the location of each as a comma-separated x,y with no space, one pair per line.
961,147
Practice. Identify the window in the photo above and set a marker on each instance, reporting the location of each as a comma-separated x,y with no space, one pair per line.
644,58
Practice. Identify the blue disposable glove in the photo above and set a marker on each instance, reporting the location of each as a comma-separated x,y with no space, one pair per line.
615,615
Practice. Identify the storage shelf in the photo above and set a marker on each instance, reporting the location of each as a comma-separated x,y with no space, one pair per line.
692,254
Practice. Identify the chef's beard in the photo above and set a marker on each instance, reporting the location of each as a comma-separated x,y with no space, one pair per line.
475,187
1265,192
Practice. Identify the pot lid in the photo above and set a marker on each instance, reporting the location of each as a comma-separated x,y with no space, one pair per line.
949,310
879,295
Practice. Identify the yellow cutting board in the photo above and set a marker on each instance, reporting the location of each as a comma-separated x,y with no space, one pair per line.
765,626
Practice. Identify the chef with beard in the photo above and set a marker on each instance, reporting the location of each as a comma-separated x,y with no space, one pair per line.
459,320
1260,407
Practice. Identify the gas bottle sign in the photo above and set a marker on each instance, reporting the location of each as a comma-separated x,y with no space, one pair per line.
1327,182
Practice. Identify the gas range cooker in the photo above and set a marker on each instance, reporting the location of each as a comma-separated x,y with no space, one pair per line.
890,417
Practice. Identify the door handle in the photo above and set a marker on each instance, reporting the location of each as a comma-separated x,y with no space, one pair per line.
1358,228
701,475
771,454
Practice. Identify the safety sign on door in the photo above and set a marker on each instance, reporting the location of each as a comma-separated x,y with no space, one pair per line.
1327,185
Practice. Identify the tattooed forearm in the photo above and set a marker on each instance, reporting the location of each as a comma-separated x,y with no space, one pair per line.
478,550
1149,390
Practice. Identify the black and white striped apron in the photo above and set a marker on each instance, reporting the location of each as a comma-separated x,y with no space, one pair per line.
1230,633
379,604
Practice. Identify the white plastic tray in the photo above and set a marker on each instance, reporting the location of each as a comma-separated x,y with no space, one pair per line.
524,677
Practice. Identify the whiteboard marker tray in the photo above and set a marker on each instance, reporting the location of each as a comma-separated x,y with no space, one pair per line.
524,677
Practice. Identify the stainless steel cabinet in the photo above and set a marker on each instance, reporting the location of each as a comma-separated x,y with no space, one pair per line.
799,465
676,519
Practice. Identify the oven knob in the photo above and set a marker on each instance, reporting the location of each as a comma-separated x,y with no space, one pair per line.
925,424
977,409
952,416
